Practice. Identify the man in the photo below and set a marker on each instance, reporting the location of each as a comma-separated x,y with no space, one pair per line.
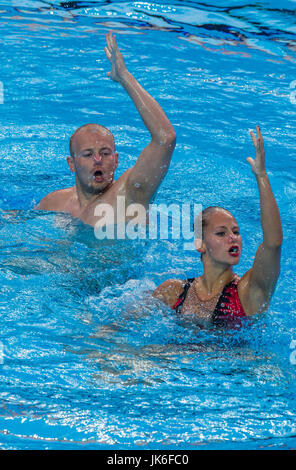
94,159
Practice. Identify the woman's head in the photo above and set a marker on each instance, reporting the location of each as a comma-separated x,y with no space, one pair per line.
217,235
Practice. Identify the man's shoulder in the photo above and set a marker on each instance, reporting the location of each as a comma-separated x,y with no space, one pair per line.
56,200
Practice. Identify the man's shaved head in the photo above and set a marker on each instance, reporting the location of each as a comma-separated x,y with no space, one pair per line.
92,128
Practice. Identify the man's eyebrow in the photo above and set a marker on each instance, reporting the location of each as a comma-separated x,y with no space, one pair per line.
92,148
223,226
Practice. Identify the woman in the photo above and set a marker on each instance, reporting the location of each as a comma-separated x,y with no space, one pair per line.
219,295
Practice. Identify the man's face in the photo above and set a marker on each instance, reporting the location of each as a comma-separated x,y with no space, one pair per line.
95,160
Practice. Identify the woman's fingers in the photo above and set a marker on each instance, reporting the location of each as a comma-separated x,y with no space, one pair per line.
258,132
257,141
260,140
257,164
253,138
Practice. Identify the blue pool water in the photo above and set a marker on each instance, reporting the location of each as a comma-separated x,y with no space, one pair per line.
90,361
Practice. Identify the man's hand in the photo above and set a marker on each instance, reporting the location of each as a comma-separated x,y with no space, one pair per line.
258,165
114,55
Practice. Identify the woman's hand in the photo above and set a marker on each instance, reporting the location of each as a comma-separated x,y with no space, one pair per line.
258,165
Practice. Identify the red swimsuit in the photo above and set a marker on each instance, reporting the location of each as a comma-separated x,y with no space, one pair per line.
228,310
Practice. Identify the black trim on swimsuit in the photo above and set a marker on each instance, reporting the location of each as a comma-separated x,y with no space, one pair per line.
219,312
183,295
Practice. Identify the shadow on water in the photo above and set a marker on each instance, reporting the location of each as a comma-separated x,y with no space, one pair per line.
193,20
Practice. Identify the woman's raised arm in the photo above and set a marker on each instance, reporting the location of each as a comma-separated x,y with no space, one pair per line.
258,284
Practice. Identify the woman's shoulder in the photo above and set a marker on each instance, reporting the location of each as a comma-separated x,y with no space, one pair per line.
169,291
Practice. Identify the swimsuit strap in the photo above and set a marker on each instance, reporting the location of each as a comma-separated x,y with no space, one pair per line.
182,296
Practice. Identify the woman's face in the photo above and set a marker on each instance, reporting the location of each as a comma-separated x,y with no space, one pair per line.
221,238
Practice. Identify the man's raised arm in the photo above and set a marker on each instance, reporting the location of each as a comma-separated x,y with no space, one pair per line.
154,160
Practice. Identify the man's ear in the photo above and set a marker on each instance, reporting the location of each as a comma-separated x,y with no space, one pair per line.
70,161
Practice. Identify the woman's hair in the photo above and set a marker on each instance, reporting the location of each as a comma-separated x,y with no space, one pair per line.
202,220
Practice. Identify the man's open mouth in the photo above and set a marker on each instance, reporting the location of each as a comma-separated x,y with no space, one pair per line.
98,176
